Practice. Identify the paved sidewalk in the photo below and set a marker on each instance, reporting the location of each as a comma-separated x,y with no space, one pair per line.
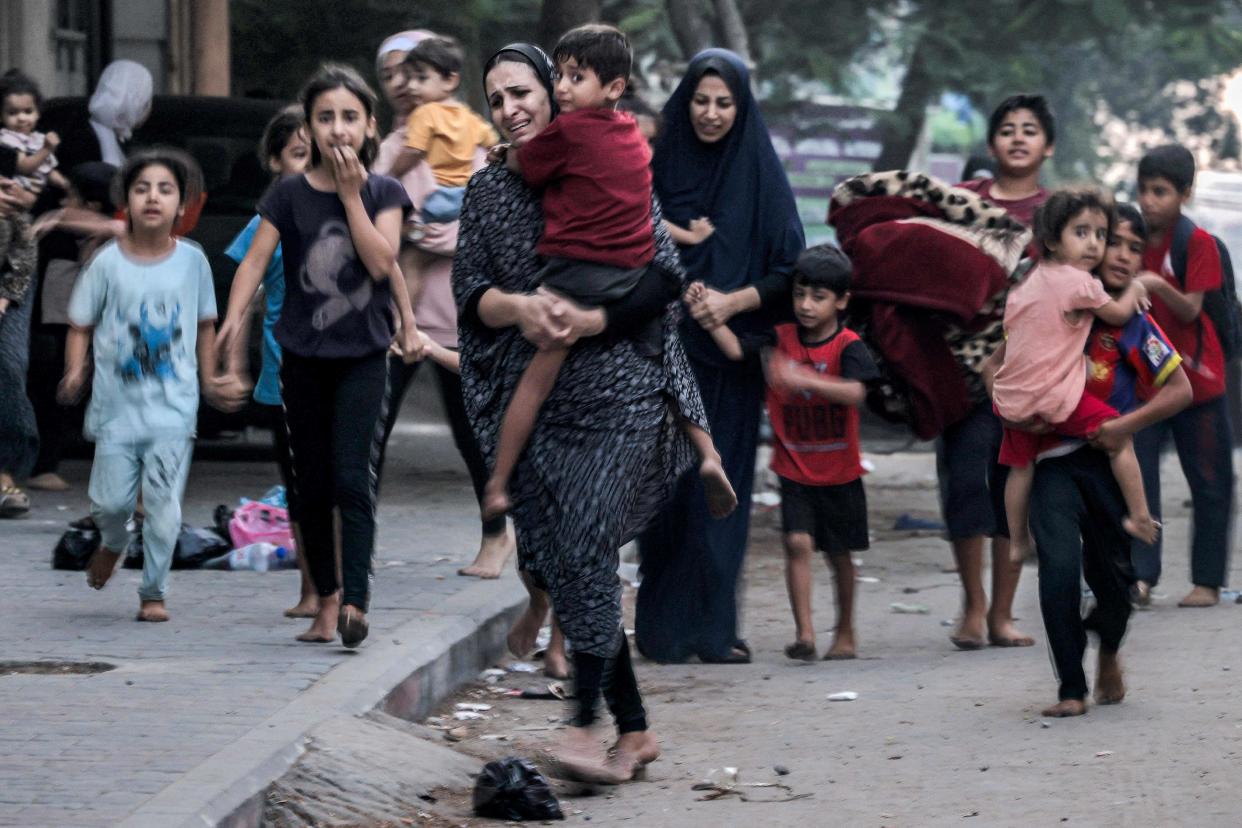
224,678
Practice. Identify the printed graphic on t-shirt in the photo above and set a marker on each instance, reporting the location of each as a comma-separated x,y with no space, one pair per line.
149,351
815,425
326,259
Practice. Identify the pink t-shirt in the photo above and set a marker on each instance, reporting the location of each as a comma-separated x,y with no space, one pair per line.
1047,320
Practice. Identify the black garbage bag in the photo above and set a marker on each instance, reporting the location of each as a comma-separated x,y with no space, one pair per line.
194,548
74,549
512,788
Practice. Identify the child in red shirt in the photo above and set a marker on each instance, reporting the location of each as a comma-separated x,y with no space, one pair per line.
594,166
816,381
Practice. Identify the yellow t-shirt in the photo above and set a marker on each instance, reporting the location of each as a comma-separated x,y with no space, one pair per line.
447,133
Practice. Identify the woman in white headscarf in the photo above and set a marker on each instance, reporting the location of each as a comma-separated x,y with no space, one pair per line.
120,104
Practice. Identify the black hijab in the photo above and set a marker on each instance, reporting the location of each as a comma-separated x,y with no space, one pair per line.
738,182
536,59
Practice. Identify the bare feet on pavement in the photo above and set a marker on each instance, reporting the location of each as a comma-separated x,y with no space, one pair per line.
1201,596
581,756
152,611
1110,685
721,499
494,551
1142,527
1065,708
102,565
525,630
555,664
1003,633
495,500
307,607
323,629
634,750
969,633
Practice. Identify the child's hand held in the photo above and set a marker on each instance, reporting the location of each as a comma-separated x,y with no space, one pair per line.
52,140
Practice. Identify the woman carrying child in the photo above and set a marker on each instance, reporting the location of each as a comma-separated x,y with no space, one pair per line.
338,229
1043,374
607,445
715,160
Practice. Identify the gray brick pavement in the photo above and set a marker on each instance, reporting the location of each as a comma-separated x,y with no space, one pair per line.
91,749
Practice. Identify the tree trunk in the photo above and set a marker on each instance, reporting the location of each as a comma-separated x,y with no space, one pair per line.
690,26
733,28
903,125
559,16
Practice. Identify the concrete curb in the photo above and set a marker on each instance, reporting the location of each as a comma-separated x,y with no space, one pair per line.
405,673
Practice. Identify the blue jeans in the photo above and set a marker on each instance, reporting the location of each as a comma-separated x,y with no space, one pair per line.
443,205
161,466
1204,445
1076,512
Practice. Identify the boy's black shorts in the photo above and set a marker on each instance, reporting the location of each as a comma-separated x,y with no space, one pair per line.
834,516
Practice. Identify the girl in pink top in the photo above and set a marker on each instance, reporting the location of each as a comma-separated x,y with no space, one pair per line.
1043,375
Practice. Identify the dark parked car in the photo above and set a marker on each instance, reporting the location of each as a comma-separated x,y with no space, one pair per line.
223,135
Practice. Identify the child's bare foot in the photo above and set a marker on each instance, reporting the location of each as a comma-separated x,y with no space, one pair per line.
634,750
48,482
306,607
525,631
323,629
969,633
843,647
1003,633
495,500
102,565
1110,686
555,664
1021,547
1143,527
581,757
721,499
801,650
1065,708
494,551
152,611
1201,596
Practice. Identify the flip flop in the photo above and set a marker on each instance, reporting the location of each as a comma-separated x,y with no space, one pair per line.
801,651
14,503
351,627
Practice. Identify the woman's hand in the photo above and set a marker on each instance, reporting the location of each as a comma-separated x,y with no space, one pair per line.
498,153
13,198
534,319
410,344
347,171
712,308
574,320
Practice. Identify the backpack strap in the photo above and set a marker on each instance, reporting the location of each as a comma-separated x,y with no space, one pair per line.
1179,250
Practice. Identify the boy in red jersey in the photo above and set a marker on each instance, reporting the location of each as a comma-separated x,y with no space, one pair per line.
816,381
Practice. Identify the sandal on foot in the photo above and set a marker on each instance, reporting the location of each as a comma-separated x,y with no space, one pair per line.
14,503
801,651
352,627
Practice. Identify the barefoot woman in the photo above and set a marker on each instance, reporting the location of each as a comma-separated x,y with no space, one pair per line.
606,448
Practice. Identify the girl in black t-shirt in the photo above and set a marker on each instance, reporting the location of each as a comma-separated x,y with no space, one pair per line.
339,229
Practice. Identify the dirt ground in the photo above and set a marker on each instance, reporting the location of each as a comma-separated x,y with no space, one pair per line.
936,736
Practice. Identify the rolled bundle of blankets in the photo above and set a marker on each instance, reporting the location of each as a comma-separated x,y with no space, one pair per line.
932,267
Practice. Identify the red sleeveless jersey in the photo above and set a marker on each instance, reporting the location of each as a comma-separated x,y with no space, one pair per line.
815,441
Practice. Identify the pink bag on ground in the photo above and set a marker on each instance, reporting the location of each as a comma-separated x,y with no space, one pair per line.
257,522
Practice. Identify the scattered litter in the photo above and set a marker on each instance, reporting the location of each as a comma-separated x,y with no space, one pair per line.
844,695
868,579
948,622
1230,595
766,499
495,737
724,782
555,690
62,508
532,728
867,465
908,609
473,707
1103,754
456,734
907,522
781,770
467,716
523,667
442,559
513,789
492,675
1045,724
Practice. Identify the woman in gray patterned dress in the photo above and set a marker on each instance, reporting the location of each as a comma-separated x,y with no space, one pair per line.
607,447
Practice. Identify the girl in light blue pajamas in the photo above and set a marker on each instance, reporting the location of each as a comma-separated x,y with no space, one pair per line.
146,306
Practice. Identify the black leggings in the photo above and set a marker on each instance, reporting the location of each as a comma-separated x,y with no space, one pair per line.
56,422
333,408
615,678
399,377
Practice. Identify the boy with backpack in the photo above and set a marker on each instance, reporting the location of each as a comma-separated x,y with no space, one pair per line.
1193,301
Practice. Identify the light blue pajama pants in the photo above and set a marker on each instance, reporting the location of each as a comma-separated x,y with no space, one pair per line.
162,467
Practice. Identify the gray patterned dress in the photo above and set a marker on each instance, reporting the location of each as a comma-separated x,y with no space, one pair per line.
607,446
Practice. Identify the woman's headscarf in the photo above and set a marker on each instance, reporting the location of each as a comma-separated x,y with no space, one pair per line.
738,182
400,42
536,59
121,101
